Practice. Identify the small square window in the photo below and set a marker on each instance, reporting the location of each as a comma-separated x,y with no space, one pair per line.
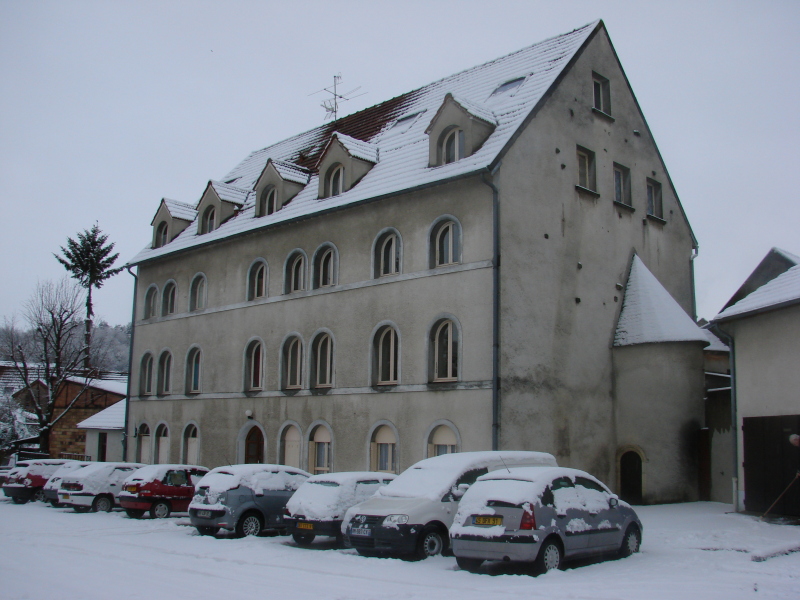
654,206
601,93
622,185
587,178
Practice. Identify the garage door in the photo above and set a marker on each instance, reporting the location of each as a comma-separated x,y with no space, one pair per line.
770,464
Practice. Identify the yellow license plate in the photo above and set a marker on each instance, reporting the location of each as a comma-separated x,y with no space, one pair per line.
488,520
305,526
131,489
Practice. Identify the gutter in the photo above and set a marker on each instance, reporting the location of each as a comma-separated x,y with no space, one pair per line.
495,303
130,367
728,339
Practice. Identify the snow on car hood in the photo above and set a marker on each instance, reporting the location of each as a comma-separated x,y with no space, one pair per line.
55,481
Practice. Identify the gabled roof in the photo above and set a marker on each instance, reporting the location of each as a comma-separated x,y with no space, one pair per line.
473,108
782,291
650,314
230,193
177,210
403,164
775,262
290,171
112,417
355,148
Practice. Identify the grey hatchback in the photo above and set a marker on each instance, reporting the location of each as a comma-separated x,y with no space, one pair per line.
246,499
542,516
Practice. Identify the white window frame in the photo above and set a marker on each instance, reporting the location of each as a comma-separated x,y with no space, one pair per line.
168,297
446,228
451,341
601,93
197,293
655,206
325,276
336,181
293,364
323,361
162,234
390,246
297,274
150,297
456,135
622,185
257,281
194,368
165,373
209,219
146,375
255,366
390,358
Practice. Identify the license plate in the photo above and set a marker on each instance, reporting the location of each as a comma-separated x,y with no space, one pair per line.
131,489
305,526
204,514
488,520
361,531
65,496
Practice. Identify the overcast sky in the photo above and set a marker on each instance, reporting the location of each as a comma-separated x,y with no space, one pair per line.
106,107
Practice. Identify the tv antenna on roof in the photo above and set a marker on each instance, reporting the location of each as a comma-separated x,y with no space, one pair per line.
331,105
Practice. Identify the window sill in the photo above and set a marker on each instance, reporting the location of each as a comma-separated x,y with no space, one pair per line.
587,191
656,219
605,115
627,207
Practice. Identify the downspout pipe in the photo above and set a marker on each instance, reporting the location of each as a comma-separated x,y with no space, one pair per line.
487,177
728,339
130,367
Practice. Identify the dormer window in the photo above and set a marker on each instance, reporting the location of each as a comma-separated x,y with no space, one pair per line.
162,232
343,163
268,203
457,130
209,219
453,146
335,180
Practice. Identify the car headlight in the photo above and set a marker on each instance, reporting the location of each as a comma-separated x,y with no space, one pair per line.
395,520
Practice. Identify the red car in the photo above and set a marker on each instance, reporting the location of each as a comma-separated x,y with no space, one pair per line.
160,490
26,480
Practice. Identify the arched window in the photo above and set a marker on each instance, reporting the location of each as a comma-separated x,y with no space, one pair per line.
291,441
444,350
162,445
387,254
150,302
143,444
254,368
165,373
324,274
268,203
146,375
209,220
162,232
319,450
383,450
168,299
254,447
442,440
322,365
197,294
445,244
190,448
386,356
452,148
257,281
292,364
295,273
335,181
193,367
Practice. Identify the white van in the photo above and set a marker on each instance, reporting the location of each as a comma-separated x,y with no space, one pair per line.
412,515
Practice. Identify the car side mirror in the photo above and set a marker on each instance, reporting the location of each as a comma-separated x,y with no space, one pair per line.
613,502
459,490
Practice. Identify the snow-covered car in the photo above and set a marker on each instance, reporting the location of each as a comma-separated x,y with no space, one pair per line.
96,486
27,479
411,515
318,506
541,516
160,490
246,499
51,487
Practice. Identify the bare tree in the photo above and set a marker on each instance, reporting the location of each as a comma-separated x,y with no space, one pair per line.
48,354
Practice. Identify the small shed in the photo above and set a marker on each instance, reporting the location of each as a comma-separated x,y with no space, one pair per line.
104,433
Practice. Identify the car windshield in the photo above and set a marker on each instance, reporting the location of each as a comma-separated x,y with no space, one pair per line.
327,483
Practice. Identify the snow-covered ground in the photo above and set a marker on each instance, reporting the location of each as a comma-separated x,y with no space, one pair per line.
690,551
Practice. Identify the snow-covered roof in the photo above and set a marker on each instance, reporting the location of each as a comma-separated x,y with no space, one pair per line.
112,417
715,344
650,314
113,386
230,193
180,210
291,172
782,291
356,148
404,159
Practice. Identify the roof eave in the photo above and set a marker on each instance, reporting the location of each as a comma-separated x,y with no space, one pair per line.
757,311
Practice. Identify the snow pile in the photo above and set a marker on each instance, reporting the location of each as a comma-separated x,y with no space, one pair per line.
433,477
650,314
327,497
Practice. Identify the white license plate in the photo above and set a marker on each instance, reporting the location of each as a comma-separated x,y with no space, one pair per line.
204,514
361,531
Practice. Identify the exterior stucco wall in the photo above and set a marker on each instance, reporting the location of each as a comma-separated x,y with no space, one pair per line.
113,444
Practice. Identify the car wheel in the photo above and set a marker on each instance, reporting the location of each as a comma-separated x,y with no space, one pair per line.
55,504
303,539
207,530
550,557
16,500
134,513
102,504
430,543
81,509
38,495
250,524
469,564
160,510
631,541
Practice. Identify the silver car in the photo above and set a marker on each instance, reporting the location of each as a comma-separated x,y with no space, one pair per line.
542,516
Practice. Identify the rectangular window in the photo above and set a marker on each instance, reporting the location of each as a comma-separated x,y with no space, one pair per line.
654,207
587,177
601,93
622,185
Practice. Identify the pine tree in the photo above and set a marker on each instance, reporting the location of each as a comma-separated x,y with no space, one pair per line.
90,262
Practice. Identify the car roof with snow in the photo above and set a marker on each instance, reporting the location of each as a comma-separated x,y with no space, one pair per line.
346,477
151,472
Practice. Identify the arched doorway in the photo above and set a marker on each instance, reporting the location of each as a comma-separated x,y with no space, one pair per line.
143,444
254,446
290,446
190,454
630,477
162,445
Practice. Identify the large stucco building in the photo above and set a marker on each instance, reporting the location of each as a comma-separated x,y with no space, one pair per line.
494,260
